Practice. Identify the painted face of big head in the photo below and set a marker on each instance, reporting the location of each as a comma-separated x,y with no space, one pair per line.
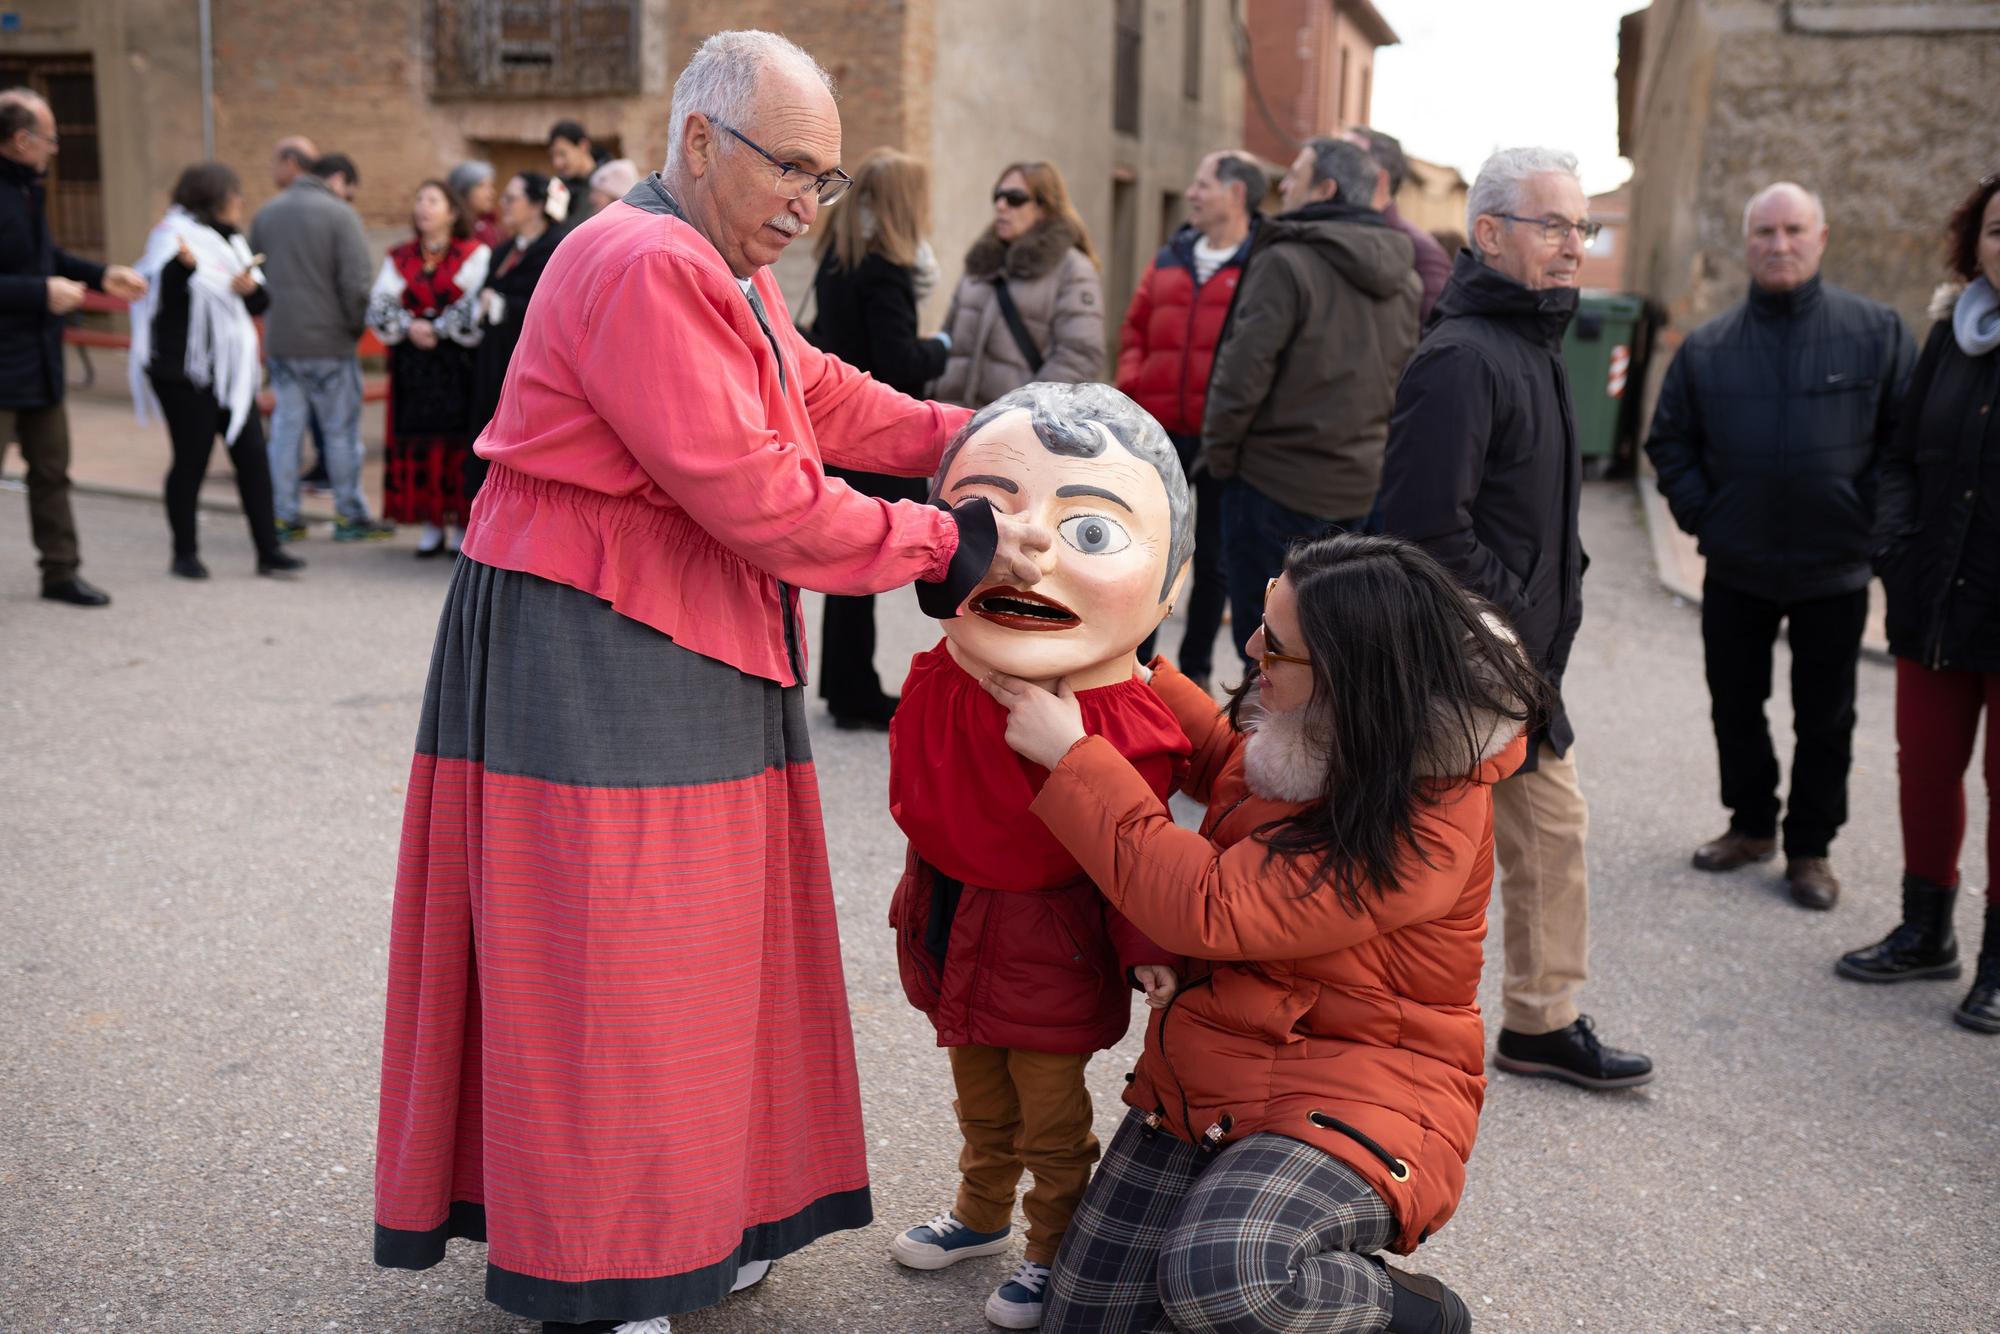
1095,469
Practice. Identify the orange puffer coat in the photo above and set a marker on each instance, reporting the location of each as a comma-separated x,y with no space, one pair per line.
1358,1034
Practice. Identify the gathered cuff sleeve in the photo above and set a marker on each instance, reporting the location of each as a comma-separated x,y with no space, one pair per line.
460,320
388,318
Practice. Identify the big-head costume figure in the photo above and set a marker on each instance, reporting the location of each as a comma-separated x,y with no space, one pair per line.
1001,939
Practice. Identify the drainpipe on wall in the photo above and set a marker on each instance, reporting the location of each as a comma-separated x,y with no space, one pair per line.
207,83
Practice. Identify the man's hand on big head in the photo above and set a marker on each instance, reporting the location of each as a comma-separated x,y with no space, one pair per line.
1024,549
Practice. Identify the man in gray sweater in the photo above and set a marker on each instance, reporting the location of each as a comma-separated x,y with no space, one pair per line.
317,270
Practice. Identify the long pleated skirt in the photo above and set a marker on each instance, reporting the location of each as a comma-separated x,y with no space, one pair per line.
617,1049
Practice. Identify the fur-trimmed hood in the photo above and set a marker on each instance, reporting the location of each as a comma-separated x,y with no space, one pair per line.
1944,299
1037,252
1283,759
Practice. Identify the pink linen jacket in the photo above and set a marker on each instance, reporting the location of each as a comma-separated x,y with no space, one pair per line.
649,448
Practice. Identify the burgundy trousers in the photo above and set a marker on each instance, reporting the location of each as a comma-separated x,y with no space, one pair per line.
1937,721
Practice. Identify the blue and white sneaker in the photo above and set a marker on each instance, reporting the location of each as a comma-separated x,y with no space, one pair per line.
944,1241
1017,1303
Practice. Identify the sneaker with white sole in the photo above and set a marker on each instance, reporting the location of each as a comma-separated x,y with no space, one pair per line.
944,1241
1017,1303
659,1324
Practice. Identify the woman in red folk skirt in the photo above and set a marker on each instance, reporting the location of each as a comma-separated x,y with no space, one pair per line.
425,309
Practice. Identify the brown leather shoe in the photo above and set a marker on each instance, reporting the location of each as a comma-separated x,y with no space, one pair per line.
1733,850
1812,882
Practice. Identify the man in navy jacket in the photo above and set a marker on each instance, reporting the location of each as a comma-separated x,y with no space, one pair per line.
39,284
1767,438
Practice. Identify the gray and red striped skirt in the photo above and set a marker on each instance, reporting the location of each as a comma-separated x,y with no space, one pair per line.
617,1048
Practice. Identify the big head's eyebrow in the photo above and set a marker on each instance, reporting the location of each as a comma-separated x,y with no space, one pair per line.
987,479
1067,492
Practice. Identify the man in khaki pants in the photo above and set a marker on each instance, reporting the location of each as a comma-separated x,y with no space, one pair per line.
39,284
1482,469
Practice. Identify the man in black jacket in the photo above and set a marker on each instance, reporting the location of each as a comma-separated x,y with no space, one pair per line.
1482,468
1767,438
39,284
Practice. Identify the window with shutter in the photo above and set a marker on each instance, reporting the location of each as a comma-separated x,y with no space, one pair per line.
534,48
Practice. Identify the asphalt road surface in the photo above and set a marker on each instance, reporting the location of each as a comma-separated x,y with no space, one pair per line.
201,788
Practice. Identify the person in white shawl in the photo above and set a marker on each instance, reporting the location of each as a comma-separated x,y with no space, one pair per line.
194,358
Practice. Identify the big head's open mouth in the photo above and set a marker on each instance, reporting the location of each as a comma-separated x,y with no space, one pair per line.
1016,609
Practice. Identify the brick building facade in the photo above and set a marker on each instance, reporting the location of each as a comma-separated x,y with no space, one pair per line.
1125,96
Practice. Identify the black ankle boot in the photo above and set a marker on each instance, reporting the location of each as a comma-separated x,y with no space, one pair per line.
1923,946
1981,1010
1422,1305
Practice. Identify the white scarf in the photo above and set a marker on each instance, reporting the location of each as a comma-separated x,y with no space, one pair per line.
221,338
1975,320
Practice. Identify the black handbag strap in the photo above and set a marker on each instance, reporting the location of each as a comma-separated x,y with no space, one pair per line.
1012,314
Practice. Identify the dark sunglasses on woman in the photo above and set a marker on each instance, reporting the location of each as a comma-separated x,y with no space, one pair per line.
1011,198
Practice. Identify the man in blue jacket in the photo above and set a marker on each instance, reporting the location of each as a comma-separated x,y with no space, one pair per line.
40,283
1767,437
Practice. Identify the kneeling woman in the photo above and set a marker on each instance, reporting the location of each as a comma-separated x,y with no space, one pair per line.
1311,1095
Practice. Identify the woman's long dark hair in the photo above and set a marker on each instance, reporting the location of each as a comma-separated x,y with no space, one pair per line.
204,188
1409,678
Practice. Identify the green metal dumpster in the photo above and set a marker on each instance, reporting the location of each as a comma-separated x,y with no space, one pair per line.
1598,353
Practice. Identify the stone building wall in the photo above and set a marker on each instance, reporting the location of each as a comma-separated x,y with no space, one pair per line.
1885,109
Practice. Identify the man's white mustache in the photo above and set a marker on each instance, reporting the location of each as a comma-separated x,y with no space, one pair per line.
788,224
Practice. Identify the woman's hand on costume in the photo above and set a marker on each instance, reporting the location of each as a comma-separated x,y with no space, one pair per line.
1158,982
1041,727
424,334
1024,545
244,283
185,255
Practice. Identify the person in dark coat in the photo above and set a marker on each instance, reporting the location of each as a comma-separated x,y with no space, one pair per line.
574,158
1432,259
194,355
40,283
1767,438
1167,351
532,210
1937,548
1305,372
874,268
1483,470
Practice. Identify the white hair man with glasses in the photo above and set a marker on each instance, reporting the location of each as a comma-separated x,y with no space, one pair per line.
617,1046
1482,468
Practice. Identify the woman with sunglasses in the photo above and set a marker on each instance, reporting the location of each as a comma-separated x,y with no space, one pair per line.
1310,1095
1030,306
1937,545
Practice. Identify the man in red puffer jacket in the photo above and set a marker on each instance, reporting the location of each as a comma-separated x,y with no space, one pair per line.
1165,353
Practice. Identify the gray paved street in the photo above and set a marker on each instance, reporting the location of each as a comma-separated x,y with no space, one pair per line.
201,790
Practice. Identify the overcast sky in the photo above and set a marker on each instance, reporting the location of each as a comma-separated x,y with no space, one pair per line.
1471,76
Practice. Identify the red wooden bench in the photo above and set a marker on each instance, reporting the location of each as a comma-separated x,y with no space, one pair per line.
374,389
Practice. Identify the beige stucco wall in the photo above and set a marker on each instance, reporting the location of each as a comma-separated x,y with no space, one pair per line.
147,67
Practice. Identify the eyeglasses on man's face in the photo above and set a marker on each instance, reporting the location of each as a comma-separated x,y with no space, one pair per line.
794,180
1267,657
1554,229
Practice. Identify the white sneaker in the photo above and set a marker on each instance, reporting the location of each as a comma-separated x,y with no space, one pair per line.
750,1275
944,1241
1017,1303
659,1324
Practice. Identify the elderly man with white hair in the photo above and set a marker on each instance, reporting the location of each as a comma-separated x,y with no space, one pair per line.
617,1047
1768,437
1483,469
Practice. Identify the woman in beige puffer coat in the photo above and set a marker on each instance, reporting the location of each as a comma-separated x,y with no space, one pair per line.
1039,248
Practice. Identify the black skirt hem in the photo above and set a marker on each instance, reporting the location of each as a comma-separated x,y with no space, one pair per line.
622,1298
